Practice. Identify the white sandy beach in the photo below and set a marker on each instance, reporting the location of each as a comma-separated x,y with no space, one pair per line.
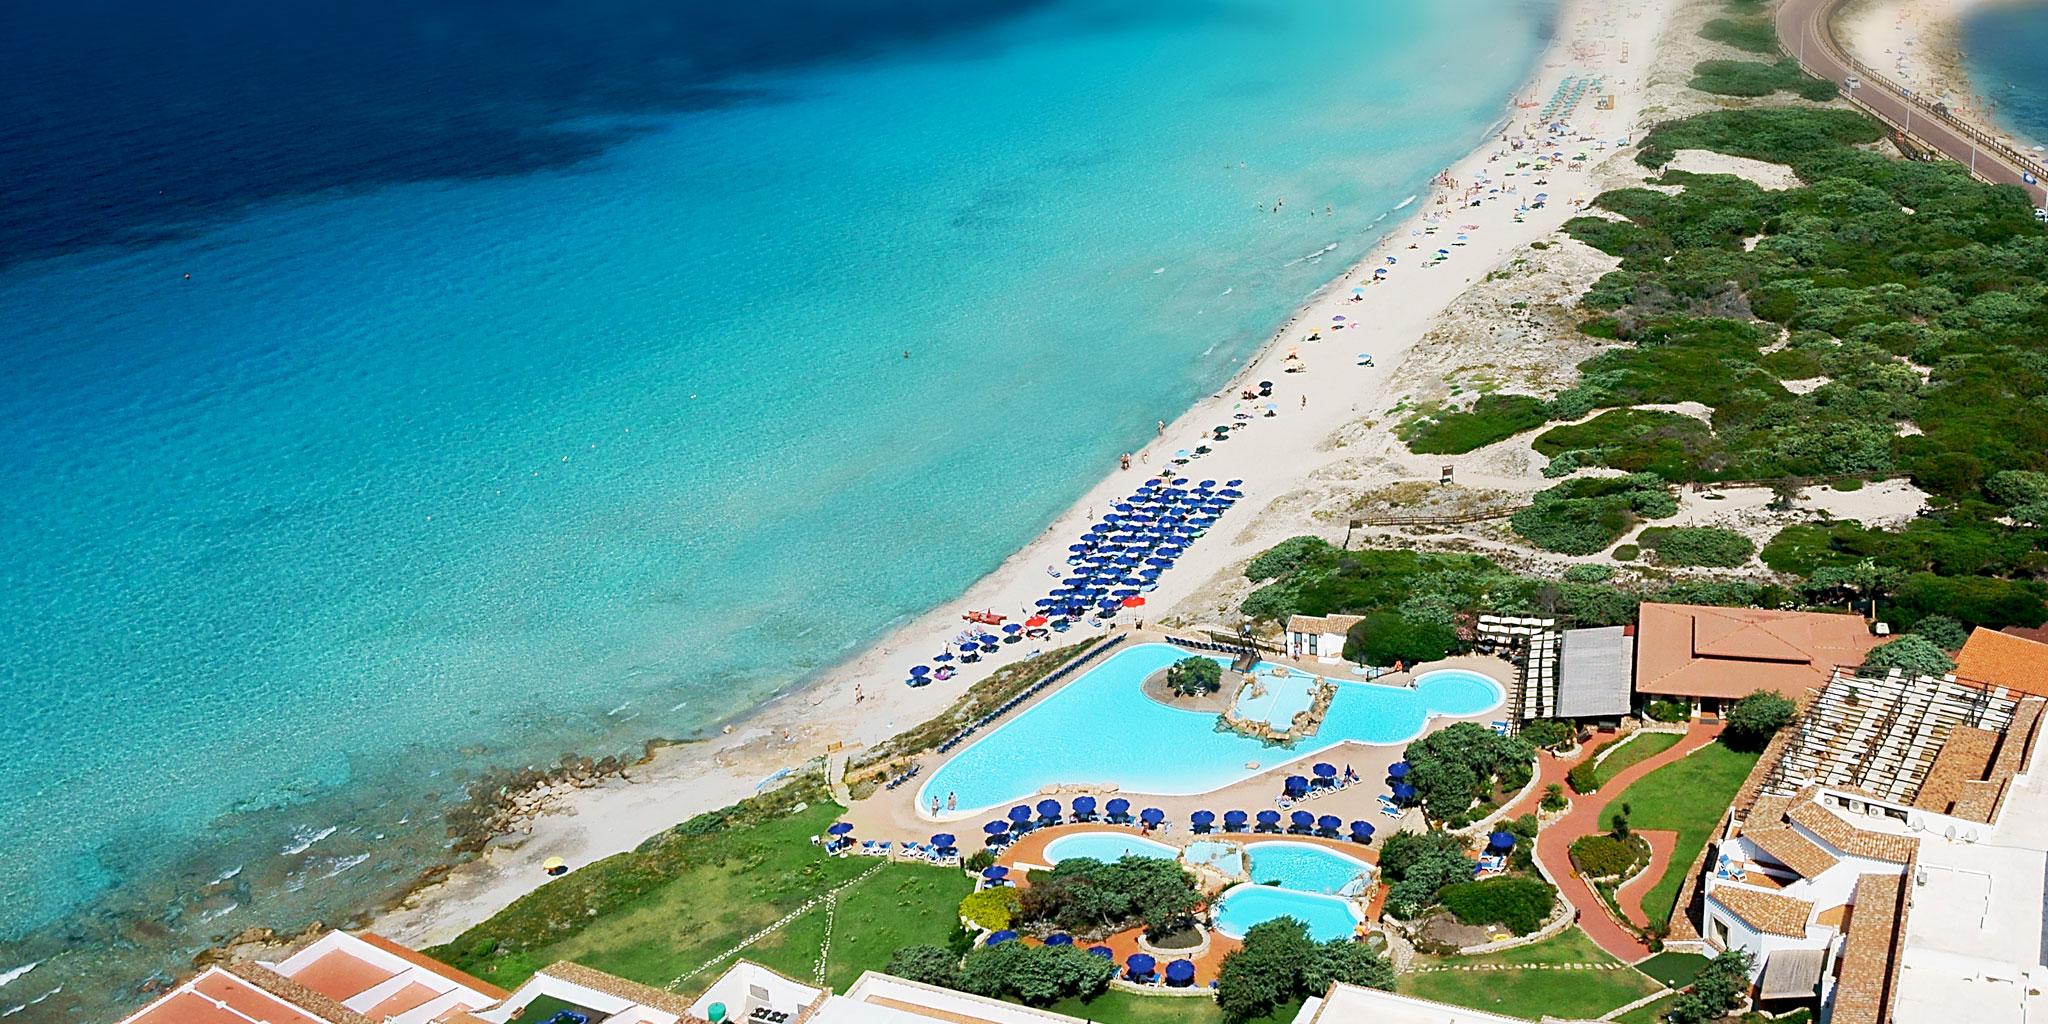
1274,456
1916,43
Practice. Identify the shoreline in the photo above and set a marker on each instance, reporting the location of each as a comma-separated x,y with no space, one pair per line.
1919,44
1276,454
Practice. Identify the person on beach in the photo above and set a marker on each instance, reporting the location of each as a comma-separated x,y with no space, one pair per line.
1125,460
857,695
1162,428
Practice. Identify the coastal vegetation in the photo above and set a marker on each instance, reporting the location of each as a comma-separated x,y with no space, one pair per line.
1491,418
1389,637
1092,899
1516,903
1279,964
1697,545
1582,516
1755,78
1756,718
1464,763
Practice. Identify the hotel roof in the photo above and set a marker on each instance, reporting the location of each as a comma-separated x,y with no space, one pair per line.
1870,951
1322,623
1785,845
1766,912
1849,839
2003,659
1595,672
1701,651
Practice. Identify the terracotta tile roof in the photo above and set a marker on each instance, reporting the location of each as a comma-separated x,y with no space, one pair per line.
1768,810
1795,851
646,995
1700,651
2003,659
1848,838
340,975
2038,633
1322,623
316,1005
422,960
1965,757
1767,912
1864,990
218,996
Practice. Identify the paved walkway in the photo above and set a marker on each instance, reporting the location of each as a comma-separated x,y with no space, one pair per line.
1587,817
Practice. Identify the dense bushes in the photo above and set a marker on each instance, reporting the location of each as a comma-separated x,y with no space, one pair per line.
1279,963
1418,865
1753,34
1698,545
1193,676
1756,718
1672,445
1580,517
1386,637
1754,78
1911,654
1715,991
1035,975
992,909
1492,418
1608,856
1457,765
1519,904
1584,777
1091,897
928,964
1550,733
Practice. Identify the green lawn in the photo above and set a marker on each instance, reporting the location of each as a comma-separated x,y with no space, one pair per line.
1537,992
1114,1007
1675,970
1635,751
1651,1013
1687,796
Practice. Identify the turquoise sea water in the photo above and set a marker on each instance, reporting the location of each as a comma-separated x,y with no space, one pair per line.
1102,728
437,471
2002,45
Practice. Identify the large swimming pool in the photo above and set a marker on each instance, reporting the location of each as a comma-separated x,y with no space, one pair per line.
1308,868
1106,846
1243,906
1101,728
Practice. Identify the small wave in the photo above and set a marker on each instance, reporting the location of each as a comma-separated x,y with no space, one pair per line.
217,879
12,1010
8,976
679,705
304,837
1161,270
1316,255
342,864
614,712
214,914
1230,289
1405,203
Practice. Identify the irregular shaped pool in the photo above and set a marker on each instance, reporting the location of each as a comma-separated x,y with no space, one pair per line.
1105,846
1308,868
1327,917
1101,728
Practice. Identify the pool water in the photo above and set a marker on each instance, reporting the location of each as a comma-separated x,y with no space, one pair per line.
1225,857
1285,697
1105,846
1244,906
1308,868
1102,729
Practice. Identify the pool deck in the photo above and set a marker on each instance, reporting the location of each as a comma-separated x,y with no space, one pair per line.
897,815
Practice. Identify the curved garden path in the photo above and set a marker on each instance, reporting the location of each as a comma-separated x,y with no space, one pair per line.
1630,895
1587,817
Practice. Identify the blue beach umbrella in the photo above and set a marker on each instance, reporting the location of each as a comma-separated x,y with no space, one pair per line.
1180,973
1059,939
1049,809
1361,830
1398,770
1006,935
1102,951
1329,823
920,670
1117,808
1141,965
1020,814
1269,819
1302,820
995,872
1403,791
1325,770
1084,806
1233,820
1202,820
1296,784
995,828
1152,816
943,840
840,828
943,656
1502,840
1011,627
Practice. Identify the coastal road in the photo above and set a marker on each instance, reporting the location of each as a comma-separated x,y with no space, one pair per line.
1803,32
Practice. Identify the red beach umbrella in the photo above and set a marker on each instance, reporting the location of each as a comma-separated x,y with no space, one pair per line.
1035,621
1134,602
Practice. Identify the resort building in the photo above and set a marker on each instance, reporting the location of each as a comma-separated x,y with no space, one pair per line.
1711,657
1349,1004
2011,659
338,979
1319,636
1584,675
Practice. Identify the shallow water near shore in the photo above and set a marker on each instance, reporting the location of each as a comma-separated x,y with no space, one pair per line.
2002,48
509,411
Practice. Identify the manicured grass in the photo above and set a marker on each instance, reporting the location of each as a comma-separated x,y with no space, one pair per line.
1635,751
904,905
1675,970
1687,796
1115,1007
1534,993
1649,1013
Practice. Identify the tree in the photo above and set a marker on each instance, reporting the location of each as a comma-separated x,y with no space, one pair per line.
1452,767
1942,631
1554,799
1036,975
1550,733
1386,637
928,964
1911,654
1405,849
991,908
1865,579
1092,897
1756,718
1446,787
1715,991
1192,677
1279,963
1353,963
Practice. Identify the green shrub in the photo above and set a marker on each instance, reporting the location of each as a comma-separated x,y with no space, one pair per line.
928,964
1698,545
1753,78
1669,711
1550,733
1583,777
1554,799
1287,556
1627,553
1580,517
1911,654
1672,445
1516,903
1492,418
1754,35
1605,856
1756,718
1278,963
992,909
1194,676
1386,637
1942,631
1035,975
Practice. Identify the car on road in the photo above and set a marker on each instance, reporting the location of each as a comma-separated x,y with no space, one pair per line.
1852,82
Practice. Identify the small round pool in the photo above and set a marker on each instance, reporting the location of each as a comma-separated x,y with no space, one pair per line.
1307,867
1459,691
1105,846
1244,906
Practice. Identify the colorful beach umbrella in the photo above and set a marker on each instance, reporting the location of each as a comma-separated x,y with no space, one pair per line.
840,828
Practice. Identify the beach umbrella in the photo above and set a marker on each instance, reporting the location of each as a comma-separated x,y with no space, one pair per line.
995,872
1502,840
1049,809
1035,621
1398,770
943,840
1302,819
1233,820
1020,814
1404,791
1325,770
840,828
1296,784
1152,816
920,670
1329,823
1268,819
1117,808
1059,939
1134,602
1202,820
1102,951
1084,806
1006,935
1361,830
1012,628
943,656
1180,972
1141,965
995,828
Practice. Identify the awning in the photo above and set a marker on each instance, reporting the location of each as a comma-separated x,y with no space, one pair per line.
1792,974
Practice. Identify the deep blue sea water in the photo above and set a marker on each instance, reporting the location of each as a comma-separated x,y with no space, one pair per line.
2003,45
538,383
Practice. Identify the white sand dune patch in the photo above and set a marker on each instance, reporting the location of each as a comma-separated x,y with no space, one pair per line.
1804,385
1763,174
1884,503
